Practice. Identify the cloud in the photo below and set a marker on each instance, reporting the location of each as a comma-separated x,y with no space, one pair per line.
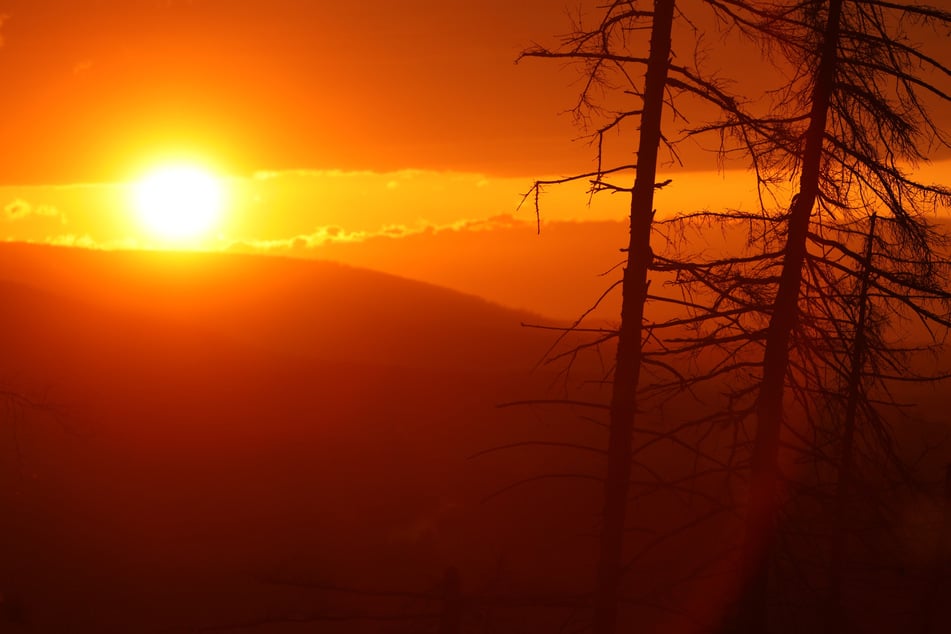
501,221
308,244
3,20
317,238
394,231
86,241
19,209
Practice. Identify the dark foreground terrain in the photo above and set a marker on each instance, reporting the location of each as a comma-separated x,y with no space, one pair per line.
236,443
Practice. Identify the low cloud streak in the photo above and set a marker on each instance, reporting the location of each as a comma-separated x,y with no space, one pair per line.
19,209
308,245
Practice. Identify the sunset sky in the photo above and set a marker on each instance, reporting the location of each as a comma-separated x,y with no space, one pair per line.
324,120
312,319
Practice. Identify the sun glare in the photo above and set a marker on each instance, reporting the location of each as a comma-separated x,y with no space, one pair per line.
178,203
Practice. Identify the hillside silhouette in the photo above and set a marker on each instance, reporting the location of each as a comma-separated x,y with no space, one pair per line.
202,423
312,309
209,440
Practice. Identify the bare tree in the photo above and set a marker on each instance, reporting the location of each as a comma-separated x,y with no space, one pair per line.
608,62
780,319
598,47
846,128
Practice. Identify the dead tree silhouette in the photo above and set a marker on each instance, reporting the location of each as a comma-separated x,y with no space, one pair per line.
597,49
845,129
628,360
609,59
846,455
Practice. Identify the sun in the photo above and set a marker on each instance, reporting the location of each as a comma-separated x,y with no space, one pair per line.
179,202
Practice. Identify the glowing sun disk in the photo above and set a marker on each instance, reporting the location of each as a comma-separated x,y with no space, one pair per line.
178,202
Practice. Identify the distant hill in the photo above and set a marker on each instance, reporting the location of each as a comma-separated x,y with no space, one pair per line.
313,309
201,422
557,273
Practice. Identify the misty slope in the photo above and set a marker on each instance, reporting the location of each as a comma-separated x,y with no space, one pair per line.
204,429
557,272
314,309
203,423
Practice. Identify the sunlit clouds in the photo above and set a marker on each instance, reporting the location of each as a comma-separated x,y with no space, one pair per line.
300,212
20,209
309,208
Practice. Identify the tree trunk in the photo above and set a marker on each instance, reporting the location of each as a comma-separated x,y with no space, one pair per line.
761,514
628,362
835,614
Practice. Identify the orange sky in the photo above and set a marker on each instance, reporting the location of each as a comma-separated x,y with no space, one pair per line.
96,88
271,210
330,120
